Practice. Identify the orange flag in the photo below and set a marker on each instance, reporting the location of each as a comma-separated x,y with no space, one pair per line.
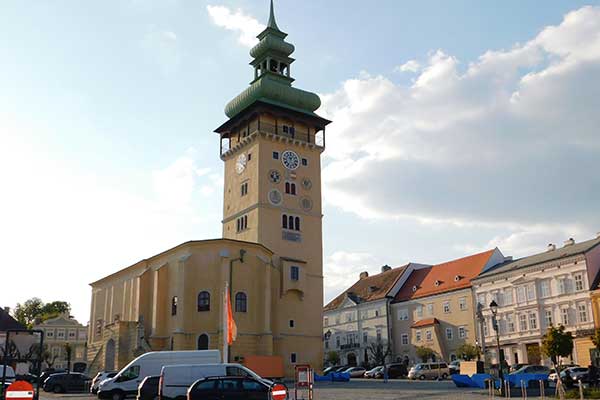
231,326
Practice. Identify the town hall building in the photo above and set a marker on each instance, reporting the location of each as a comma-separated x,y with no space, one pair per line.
271,251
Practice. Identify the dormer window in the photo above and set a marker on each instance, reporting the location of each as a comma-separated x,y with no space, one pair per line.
457,278
414,289
437,283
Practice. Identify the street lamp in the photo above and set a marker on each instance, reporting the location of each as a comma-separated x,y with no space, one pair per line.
494,309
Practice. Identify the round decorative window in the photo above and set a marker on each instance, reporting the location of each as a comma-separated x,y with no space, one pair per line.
275,197
274,176
306,203
306,183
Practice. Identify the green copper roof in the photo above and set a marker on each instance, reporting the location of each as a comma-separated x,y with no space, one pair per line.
273,86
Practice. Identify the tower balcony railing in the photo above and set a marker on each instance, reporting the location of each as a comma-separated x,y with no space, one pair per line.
318,139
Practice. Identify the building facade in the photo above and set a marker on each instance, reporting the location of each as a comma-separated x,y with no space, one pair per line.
435,308
272,219
535,292
359,318
60,332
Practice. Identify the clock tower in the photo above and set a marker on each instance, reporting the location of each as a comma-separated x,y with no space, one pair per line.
271,146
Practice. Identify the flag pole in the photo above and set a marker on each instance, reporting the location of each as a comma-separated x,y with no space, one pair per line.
225,327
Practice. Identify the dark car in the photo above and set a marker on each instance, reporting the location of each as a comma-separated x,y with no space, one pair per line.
396,370
230,388
31,378
49,372
67,383
148,389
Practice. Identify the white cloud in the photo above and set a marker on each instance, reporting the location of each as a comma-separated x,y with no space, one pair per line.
509,140
342,268
245,26
162,46
409,66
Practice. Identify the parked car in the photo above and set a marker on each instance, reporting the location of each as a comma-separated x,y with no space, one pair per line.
176,379
148,389
532,369
554,376
231,387
101,376
395,370
577,373
126,382
28,377
432,370
67,383
49,372
372,373
9,375
516,367
341,368
356,372
454,367
329,370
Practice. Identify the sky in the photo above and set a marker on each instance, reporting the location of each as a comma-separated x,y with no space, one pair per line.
457,127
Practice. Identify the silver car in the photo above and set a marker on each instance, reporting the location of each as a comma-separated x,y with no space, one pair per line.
434,370
356,372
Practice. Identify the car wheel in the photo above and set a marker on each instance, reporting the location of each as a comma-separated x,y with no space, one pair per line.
57,389
444,376
422,377
117,395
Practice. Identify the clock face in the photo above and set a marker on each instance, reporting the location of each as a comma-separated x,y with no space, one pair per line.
240,164
290,159
274,176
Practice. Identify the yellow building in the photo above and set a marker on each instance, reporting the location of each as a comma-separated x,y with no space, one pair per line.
58,332
271,147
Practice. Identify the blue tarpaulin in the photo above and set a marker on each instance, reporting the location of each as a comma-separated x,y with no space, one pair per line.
333,377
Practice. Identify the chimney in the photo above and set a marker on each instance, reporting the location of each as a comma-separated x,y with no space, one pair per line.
569,242
551,247
385,268
508,258
364,275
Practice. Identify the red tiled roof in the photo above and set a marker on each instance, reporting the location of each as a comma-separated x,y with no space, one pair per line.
425,322
424,280
372,288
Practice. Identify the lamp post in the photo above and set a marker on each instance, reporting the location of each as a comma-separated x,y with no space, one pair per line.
481,320
494,309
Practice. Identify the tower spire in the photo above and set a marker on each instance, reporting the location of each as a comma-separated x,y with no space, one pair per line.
272,24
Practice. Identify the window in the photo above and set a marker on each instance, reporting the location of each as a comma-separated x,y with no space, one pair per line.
348,317
203,301
462,332
72,334
326,321
462,303
510,322
174,305
378,335
578,282
364,314
446,307
564,316
292,323
403,314
49,334
338,319
428,335
327,344
304,162
404,339
365,337
242,223
419,311
252,386
290,222
531,292
508,296
522,322
244,189
581,309
430,309
481,299
418,336
249,156
293,358
376,313
60,334
290,188
241,302
545,288
337,342
275,155
486,331
562,286
449,333
548,318
294,273
130,373
521,294
532,321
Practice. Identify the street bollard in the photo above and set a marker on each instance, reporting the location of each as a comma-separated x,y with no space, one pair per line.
542,390
507,389
580,389
523,390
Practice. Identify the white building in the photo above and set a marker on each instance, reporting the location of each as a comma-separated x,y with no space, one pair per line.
550,288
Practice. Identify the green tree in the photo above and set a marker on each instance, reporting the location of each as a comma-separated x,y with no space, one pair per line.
424,353
379,352
467,352
54,309
333,358
596,339
556,344
34,309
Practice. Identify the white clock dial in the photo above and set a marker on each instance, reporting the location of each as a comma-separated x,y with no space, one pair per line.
290,160
240,164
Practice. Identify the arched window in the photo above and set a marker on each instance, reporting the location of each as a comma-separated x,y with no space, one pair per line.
204,301
284,221
241,302
287,188
297,227
293,189
174,306
203,342
290,222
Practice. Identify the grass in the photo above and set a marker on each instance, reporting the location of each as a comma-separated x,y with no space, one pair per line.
587,394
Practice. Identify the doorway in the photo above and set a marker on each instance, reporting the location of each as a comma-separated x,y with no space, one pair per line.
203,342
109,360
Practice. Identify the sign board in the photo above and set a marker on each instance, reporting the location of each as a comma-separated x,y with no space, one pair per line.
20,390
303,376
279,392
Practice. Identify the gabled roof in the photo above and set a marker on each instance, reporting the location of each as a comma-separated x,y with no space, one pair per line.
425,322
560,252
445,277
375,287
61,320
7,322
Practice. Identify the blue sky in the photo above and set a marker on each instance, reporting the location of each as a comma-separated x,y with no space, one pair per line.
458,126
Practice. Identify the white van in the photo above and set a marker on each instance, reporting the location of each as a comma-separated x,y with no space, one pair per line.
125,383
175,380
